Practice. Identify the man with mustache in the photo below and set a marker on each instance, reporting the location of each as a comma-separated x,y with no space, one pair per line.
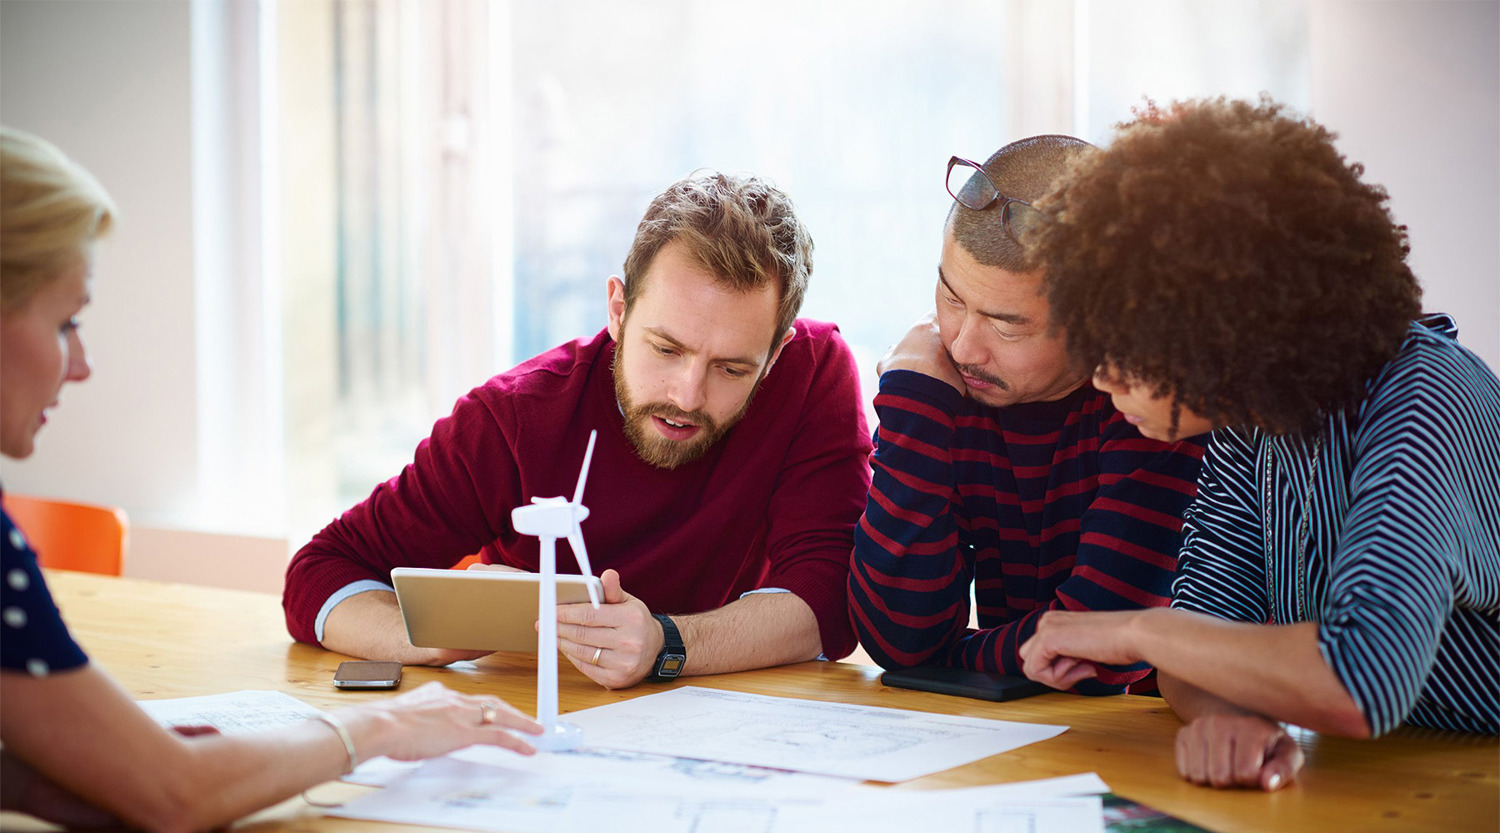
998,465
724,495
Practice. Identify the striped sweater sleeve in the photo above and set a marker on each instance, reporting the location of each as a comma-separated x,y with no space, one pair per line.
1423,497
909,588
1130,537
913,564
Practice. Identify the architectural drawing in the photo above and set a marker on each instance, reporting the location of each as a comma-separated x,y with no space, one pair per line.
809,736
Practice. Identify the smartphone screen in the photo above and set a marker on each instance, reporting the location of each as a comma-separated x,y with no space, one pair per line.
962,682
361,674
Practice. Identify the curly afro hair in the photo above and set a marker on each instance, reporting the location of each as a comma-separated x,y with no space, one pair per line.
1225,253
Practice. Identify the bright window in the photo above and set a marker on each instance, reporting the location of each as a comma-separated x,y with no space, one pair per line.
460,178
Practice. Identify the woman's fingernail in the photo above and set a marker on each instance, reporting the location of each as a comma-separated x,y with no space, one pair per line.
1274,781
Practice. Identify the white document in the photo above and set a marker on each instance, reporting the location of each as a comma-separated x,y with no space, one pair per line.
810,736
233,713
587,791
582,790
247,712
665,771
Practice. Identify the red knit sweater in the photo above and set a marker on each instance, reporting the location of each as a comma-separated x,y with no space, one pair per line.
773,504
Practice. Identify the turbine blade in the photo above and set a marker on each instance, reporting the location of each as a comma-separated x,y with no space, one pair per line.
575,540
583,473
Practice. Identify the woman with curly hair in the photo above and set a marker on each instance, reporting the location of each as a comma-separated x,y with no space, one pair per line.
1226,270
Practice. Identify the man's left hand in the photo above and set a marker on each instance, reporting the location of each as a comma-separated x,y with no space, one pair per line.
1067,645
622,634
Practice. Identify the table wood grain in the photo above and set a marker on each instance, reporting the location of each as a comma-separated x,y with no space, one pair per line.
167,640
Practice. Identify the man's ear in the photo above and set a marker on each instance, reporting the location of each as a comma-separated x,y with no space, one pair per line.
615,306
776,353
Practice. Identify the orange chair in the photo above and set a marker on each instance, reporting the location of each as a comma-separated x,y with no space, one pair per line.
72,536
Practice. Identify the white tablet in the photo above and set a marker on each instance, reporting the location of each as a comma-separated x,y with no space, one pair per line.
477,610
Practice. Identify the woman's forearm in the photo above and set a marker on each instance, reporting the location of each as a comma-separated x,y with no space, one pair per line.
1273,670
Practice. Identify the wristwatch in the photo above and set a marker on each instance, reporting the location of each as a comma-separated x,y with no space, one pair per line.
673,654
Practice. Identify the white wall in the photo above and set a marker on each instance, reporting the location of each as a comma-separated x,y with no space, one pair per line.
110,83
1413,89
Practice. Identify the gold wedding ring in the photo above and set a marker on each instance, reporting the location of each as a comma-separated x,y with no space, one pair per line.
597,651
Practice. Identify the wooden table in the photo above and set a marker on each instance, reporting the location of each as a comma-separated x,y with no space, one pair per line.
166,640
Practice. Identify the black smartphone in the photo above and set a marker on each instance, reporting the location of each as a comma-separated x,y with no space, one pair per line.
962,682
361,674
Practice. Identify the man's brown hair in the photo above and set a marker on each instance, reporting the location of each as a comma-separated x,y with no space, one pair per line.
742,229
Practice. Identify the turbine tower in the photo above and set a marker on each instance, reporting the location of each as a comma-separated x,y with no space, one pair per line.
551,518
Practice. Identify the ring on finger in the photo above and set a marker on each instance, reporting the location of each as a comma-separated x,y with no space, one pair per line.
597,651
486,714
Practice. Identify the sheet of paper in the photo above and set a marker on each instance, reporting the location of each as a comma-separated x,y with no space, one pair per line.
678,773
588,791
811,736
233,713
246,712
583,790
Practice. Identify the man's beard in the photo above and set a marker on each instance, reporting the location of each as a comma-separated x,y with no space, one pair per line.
649,444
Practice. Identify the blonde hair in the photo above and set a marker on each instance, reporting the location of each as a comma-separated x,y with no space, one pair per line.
51,209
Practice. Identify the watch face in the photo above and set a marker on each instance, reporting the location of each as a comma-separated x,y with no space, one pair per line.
670,665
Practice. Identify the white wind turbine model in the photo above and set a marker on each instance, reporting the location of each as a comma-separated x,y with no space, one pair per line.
551,518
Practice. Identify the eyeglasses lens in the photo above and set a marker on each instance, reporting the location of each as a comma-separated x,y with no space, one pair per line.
971,188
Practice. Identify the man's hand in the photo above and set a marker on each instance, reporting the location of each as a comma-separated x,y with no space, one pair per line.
1067,645
1237,750
622,634
369,626
921,350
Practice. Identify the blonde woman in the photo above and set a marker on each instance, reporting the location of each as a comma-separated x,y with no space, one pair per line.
77,750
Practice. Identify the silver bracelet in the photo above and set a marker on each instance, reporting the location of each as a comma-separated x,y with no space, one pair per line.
338,726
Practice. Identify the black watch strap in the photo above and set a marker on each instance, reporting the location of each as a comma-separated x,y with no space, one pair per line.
673,654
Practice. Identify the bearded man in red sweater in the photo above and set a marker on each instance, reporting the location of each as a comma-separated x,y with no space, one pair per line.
730,471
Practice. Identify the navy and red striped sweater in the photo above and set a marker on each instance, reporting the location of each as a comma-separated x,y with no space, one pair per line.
1042,506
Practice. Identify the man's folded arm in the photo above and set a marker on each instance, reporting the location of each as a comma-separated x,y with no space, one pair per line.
909,587
1129,537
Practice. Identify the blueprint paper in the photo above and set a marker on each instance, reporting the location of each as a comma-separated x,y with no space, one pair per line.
586,792
681,774
837,739
233,713
247,712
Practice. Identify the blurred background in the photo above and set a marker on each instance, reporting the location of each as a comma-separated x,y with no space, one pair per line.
340,215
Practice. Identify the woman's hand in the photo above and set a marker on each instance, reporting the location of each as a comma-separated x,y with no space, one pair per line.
434,720
1237,750
1064,649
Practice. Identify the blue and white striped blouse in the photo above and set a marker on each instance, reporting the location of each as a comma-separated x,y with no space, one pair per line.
1399,551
